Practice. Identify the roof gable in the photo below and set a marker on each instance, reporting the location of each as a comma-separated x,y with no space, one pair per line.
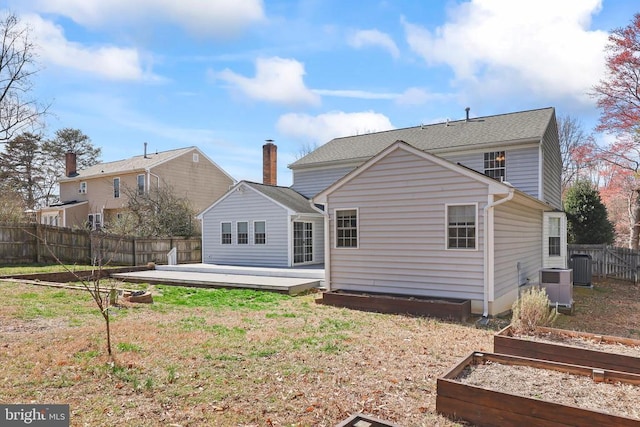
136,163
287,198
511,128
494,187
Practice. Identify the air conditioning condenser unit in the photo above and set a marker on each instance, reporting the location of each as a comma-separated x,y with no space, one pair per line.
558,282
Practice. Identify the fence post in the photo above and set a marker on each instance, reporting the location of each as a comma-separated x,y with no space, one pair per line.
134,252
38,234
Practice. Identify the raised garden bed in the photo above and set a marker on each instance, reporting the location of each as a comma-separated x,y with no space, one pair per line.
443,308
528,392
578,348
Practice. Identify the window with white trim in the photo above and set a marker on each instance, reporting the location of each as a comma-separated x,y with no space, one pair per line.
243,232
494,165
259,233
554,236
225,233
347,228
196,157
95,221
116,188
461,227
141,186
83,187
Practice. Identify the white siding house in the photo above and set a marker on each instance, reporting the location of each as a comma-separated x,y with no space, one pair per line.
419,225
262,225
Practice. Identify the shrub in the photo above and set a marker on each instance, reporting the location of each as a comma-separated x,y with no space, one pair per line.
532,310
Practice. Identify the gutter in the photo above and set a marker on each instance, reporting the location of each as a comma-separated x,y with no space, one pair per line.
488,238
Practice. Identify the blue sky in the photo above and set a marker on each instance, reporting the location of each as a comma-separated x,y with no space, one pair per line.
226,75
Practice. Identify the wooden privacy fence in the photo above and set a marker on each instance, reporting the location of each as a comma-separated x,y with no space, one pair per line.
27,243
610,261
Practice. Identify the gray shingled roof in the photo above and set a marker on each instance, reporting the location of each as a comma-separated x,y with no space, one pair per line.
511,127
285,196
136,163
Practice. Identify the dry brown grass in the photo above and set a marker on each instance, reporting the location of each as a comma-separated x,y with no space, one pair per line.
295,364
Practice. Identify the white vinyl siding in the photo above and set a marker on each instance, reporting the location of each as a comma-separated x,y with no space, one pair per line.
237,207
517,246
310,182
552,167
401,203
521,167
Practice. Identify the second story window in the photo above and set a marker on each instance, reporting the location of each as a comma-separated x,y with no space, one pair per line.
140,185
116,188
494,165
83,187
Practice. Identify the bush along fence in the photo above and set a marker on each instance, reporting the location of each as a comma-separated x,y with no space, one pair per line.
610,261
29,243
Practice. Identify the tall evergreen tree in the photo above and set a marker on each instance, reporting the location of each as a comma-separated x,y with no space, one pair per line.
586,215
20,168
68,139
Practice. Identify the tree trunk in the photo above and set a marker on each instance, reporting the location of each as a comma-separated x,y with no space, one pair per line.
634,237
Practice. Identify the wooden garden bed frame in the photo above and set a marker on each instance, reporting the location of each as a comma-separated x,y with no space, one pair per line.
505,342
443,308
486,407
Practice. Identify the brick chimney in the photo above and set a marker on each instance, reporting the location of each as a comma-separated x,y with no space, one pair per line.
70,164
269,163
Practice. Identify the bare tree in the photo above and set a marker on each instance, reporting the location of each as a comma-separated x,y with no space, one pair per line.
18,111
159,212
305,149
575,143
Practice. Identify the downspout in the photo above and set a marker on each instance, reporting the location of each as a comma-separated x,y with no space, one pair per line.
488,245
327,245
149,174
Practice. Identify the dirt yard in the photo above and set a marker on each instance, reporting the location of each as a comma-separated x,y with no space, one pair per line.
283,362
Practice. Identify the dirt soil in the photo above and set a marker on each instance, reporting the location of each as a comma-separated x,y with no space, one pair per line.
583,342
558,387
297,364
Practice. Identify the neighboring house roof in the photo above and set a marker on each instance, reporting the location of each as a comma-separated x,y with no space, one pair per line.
284,196
136,163
524,126
64,205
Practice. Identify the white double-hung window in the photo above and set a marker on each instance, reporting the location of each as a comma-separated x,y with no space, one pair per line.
462,226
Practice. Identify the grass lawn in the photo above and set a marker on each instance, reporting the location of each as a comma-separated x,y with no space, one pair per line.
245,358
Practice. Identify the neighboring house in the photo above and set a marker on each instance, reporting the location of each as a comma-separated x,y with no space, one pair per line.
263,224
462,209
96,195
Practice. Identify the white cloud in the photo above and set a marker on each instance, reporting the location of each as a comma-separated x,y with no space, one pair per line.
359,94
105,61
277,80
324,127
543,47
375,38
217,18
